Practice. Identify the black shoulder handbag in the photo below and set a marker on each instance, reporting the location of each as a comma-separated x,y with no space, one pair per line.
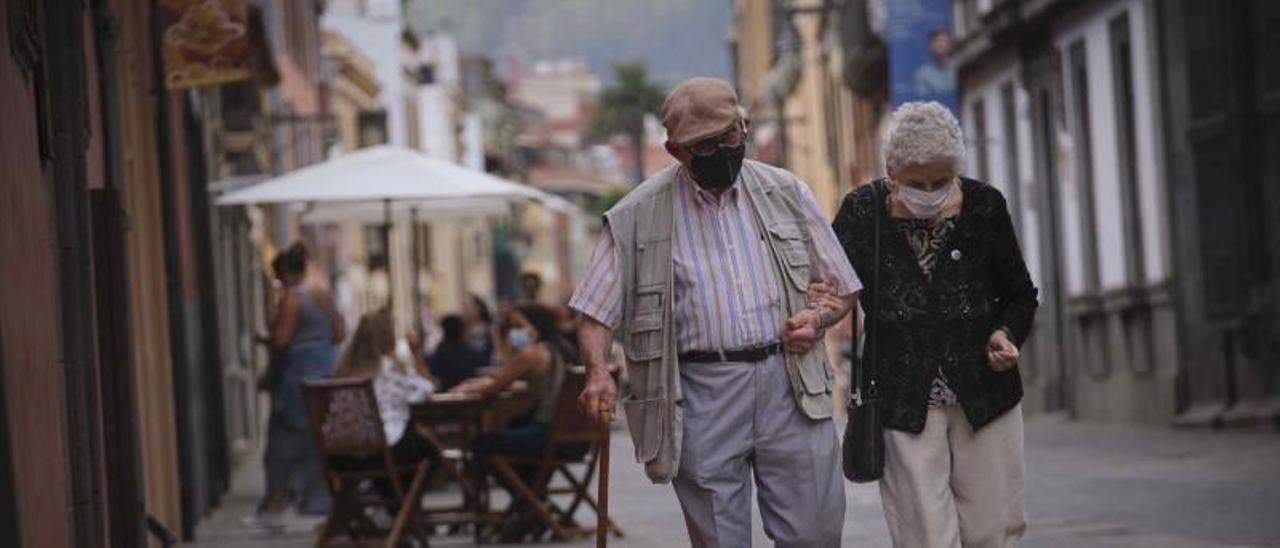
863,445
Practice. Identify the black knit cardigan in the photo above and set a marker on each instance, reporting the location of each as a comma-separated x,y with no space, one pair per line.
979,285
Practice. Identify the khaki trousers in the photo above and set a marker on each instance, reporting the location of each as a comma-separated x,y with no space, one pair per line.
741,423
949,486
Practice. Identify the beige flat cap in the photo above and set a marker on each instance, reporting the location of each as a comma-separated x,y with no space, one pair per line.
699,108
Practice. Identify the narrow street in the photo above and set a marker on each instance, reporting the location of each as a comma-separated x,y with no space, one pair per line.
211,208
1088,485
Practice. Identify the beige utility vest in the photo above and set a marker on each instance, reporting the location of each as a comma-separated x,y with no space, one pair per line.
641,226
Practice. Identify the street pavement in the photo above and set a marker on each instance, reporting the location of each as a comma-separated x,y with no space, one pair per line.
1087,486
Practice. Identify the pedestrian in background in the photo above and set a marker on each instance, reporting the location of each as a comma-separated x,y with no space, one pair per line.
305,331
703,269
479,326
529,352
530,288
955,303
454,359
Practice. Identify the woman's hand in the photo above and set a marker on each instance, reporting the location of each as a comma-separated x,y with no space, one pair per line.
822,295
1002,354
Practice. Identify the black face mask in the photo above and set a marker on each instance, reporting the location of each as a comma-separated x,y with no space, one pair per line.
720,170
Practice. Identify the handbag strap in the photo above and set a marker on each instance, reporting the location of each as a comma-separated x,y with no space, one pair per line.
866,386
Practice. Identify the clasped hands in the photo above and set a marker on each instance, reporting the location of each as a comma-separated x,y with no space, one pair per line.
802,330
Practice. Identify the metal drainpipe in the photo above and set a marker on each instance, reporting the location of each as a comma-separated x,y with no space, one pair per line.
386,254
417,272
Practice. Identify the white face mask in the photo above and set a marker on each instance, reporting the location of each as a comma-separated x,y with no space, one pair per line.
923,204
520,337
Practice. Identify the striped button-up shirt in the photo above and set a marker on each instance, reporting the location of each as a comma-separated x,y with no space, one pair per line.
727,289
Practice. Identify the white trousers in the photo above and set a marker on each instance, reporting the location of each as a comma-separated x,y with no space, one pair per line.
949,486
741,423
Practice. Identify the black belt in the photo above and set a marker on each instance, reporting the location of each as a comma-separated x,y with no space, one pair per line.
747,355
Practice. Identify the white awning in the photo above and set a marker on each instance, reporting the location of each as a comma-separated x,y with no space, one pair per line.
404,178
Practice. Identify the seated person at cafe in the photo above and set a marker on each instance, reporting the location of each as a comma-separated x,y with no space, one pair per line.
529,349
454,360
396,385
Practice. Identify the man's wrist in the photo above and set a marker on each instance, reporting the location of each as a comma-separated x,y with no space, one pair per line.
819,321
598,370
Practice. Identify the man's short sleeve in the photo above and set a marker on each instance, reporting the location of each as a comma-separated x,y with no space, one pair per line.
830,264
599,295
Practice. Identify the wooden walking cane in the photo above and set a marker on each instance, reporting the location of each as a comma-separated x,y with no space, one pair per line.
602,483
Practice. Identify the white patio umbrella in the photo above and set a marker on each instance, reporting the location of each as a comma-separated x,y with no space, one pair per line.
385,183
404,177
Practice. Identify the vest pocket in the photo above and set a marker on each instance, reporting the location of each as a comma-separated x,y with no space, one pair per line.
794,248
645,338
645,332
646,419
813,374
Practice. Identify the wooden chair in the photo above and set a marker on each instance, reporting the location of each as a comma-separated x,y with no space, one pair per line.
349,435
569,427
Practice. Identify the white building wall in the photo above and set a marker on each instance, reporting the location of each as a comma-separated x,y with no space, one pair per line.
438,101
473,142
436,122
1069,214
1155,221
1031,215
375,30
1105,147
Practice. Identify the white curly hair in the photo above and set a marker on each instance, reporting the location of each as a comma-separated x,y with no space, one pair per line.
923,133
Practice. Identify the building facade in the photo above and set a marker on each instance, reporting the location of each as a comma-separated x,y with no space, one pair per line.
1131,139
112,415
791,60
1220,83
377,29
1062,114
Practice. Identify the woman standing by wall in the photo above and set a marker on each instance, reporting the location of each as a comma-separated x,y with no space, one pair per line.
954,304
304,336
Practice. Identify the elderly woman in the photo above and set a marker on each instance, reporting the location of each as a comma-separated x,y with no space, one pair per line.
953,304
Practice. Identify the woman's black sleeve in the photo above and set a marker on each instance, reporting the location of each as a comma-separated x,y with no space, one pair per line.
846,230
1016,293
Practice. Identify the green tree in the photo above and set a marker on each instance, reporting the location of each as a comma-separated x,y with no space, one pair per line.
600,205
623,106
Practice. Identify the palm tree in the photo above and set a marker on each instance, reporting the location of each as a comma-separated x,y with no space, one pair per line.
623,107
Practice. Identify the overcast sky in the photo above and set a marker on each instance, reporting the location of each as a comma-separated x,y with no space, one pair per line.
676,38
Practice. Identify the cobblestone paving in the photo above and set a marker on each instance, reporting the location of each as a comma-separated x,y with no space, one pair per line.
1088,486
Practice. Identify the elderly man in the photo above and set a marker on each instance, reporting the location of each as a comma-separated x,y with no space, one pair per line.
703,270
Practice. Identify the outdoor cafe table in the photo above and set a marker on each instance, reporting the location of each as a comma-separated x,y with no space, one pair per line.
451,422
